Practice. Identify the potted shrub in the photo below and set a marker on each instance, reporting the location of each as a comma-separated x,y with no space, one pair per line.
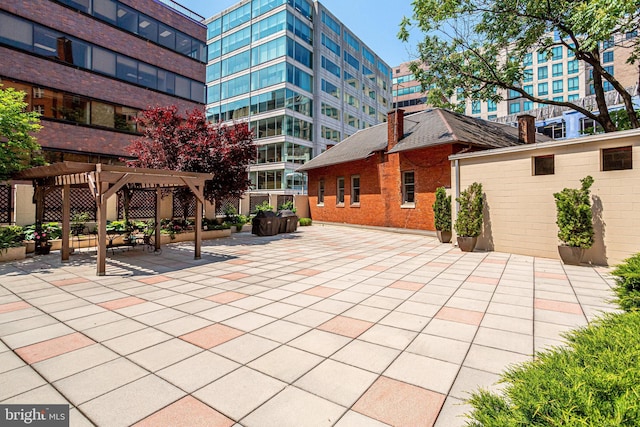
575,221
442,215
468,223
78,220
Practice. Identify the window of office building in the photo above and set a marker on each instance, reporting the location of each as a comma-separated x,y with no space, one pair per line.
330,134
558,98
527,105
330,111
269,51
543,88
330,44
514,107
268,76
544,165
492,106
349,59
236,17
299,78
330,22
352,41
263,6
573,84
355,189
528,59
267,180
302,6
557,70
607,56
543,72
368,56
351,120
296,51
408,188
234,87
236,63
528,89
527,75
236,40
330,88
213,72
340,190
573,97
555,130
558,86
542,57
351,100
331,67
573,67
299,28
618,158
268,26
556,53
475,107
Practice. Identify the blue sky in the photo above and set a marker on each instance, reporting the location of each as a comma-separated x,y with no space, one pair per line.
375,22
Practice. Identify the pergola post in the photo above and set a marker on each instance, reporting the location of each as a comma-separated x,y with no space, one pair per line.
198,243
158,202
66,212
102,230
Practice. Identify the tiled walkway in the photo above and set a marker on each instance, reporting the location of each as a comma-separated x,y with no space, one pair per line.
330,325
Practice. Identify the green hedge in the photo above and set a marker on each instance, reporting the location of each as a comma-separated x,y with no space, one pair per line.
627,287
595,381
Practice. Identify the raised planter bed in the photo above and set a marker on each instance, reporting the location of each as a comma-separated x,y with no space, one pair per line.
13,254
190,236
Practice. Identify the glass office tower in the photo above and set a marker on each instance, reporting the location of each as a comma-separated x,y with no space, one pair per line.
300,78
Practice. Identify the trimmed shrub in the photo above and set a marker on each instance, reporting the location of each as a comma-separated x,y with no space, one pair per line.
305,221
627,287
575,219
442,210
469,220
595,381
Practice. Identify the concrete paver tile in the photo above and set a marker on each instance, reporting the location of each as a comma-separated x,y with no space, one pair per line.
293,408
400,404
186,411
365,355
505,340
320,342
248,321
211,336
346,326
133,402
492,359
73,362
240,392
127,344
286,363
453,314
281,331
425,372
18,381
337,382
470,380
164,354
309,317
389,336
46,349
96,381
441,348
356,419
245,348
405,321
197,371
452,413
33,336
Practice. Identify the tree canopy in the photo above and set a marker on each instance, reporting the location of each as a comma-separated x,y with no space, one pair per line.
18,147
478,49
193,144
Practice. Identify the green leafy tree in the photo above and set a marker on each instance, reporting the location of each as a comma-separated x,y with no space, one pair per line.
476,49
575,219
18,147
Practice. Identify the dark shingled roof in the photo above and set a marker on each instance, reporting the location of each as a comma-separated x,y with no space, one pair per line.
425,129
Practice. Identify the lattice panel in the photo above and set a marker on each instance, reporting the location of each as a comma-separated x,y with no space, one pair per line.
5,203
81,201
282,198
222,204
178,207
141,206
256,199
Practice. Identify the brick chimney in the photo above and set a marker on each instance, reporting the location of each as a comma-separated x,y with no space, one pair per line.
527,129
395,127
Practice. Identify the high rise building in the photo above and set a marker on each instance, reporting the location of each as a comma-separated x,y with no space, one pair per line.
89,66
300,77
407,91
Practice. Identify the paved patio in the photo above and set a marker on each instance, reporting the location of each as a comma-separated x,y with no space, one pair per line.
328,326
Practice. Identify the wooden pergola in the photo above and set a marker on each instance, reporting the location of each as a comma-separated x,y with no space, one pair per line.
103,182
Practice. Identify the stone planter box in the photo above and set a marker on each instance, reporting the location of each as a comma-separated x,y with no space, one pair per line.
13,254
30,246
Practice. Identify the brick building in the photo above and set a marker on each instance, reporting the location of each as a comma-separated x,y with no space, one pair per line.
90,66
387,175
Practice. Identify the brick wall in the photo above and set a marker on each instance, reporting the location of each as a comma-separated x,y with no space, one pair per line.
380,189
68,137
95,31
